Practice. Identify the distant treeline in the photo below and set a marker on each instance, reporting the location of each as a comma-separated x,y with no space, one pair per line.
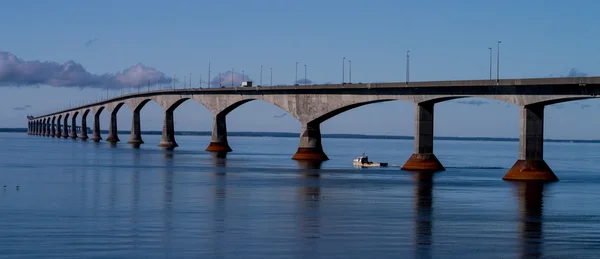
295,135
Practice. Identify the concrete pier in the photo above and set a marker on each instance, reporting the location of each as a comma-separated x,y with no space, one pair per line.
531,164
423,159
168,132
113,136
310,147
73,134
218,142
96,129
44,128
65,132
53,127
136,129
58,127
83,134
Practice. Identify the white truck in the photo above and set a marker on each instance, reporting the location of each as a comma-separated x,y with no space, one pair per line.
246,83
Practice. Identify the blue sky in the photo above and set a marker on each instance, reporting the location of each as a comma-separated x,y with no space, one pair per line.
447,39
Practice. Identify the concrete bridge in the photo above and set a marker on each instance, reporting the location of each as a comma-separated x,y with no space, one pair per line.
314,104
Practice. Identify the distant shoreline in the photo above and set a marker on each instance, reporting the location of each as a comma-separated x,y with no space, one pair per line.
345,136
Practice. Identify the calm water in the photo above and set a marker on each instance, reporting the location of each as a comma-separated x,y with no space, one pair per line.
86,200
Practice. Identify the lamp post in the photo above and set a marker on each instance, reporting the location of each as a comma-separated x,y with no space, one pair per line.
261,74
271,76
305,74
498,63
407,66
296,80
343,69
232,77
490,63
350,71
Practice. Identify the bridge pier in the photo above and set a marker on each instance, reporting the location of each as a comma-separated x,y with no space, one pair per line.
423,159
47,128
168,132
96,130
73,134
531,164
43,127
310,147
218,141
83,134
136,129
58,128
113,136
53,128
65,133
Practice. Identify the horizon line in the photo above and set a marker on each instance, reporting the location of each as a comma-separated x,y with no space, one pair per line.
325,135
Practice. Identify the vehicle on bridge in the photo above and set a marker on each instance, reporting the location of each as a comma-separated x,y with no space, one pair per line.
246,84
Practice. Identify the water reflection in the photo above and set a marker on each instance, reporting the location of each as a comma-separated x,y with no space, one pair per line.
423,203
135,145
219,162
168,193
310,168
135,198
530,195
309,198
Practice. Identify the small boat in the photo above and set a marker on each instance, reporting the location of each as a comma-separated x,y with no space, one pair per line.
363,161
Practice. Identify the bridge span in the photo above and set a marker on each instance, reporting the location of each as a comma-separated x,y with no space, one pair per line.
314,104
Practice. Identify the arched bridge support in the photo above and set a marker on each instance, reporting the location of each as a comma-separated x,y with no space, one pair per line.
310,147
96,137
531,165
168,133
136,128
58,127
53,127
73,133
65,132
48,129
113,132
218,141
83,135
44,128
423,159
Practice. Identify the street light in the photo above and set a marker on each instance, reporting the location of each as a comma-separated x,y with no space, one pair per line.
407,66
498,63
261,74
271,76
350,72
490,63
296,80
232,76
343,69
305,74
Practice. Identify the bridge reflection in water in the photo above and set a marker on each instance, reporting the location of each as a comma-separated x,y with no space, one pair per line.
531,197
309,226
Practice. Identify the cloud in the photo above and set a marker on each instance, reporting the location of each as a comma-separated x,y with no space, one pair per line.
227,78
89,43
473,102
304,81
22,108
15,71
576,73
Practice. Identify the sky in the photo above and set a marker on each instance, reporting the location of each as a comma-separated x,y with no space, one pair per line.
81,51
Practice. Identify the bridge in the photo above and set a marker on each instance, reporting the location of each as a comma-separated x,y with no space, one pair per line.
314,104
